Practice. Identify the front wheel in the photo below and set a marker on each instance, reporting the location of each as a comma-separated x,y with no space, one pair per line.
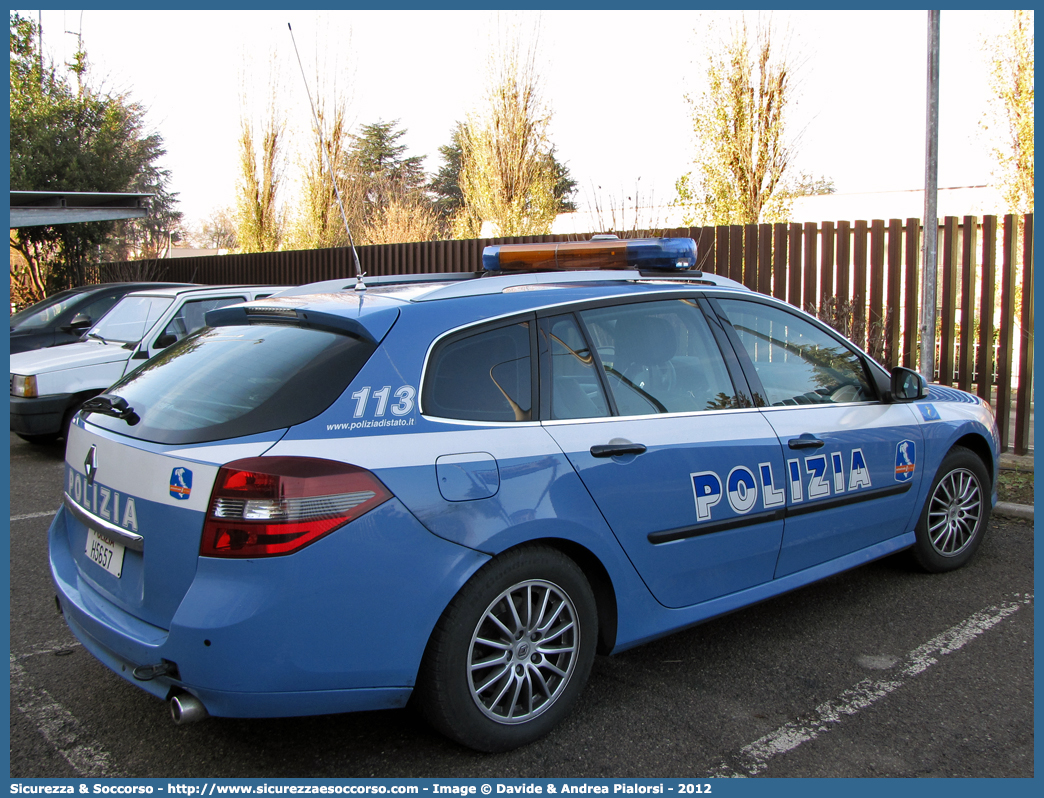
512,652
38,440
68,418
953,521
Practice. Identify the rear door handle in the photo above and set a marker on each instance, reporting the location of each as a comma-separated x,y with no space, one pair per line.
613,449
805,441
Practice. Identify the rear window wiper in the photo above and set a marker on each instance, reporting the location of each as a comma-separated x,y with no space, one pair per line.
111,405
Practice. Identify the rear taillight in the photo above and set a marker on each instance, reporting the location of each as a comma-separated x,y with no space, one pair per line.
267,506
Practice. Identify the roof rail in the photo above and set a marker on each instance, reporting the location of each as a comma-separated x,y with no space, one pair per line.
348,283
496,284
692,277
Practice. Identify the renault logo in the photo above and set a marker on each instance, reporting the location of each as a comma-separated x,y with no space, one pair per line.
90,464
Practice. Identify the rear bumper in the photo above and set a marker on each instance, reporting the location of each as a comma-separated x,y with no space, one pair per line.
242,705
41,415
339,626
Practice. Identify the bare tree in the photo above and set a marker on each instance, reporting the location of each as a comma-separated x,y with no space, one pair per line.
135,271
808,185
403,218
262,142
215,231
326,157
1010,117
740,127
318,222
506,174
629,215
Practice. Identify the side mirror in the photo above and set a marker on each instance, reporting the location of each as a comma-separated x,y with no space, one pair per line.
78,323
166,340
907,385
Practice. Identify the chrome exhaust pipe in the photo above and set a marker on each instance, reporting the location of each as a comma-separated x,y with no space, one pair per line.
186,708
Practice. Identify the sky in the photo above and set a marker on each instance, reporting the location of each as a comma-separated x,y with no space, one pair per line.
615,81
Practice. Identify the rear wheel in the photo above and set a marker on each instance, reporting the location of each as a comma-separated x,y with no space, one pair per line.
512,652
953,521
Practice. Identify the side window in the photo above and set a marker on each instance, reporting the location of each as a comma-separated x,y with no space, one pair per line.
191,317
482,377
576,391
797,362
660,357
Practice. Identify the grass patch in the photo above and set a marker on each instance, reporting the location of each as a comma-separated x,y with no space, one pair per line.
1015,486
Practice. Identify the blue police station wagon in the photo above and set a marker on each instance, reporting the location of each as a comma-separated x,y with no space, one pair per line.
461,487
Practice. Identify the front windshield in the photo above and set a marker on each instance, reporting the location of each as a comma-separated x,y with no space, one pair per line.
130,318
43,313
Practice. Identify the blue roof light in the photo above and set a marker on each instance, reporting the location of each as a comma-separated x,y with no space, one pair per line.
666,254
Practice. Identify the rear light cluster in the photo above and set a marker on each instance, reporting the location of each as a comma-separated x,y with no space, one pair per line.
268,506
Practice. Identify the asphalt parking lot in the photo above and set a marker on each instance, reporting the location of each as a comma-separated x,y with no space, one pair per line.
879,672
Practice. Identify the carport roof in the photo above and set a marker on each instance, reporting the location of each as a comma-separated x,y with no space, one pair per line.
32,208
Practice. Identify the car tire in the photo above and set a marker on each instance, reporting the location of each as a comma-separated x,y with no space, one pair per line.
39,440
956,513
68,417
512,652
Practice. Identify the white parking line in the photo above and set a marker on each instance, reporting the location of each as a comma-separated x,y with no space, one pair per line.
27,516
754,758
57,725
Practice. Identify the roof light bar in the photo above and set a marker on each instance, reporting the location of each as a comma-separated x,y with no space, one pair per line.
668,254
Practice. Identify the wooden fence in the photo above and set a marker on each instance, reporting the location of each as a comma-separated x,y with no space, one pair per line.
862,277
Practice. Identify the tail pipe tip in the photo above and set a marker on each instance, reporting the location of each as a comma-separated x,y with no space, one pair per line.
185,708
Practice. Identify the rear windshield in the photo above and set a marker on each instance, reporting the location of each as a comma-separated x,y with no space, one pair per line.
227,382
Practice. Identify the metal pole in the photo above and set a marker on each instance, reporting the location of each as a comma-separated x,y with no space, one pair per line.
931,213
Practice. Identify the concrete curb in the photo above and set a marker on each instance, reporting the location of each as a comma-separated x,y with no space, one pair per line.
1023,512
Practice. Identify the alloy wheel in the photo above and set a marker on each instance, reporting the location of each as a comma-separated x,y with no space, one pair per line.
523,651
954,512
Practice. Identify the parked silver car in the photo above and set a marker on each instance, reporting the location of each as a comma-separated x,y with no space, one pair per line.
48,386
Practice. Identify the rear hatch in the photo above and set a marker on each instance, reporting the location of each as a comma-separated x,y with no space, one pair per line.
142,458
134,515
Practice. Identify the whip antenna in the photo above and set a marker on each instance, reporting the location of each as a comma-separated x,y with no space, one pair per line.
359,274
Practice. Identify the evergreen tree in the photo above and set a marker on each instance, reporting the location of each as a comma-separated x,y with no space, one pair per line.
565,186
380,161
445,186
67,135
395,205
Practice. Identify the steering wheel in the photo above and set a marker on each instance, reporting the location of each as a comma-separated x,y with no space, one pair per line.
657,379
850,392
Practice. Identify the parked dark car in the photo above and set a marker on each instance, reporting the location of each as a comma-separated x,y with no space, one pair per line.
63,317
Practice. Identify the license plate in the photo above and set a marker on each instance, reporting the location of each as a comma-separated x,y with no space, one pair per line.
106,552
